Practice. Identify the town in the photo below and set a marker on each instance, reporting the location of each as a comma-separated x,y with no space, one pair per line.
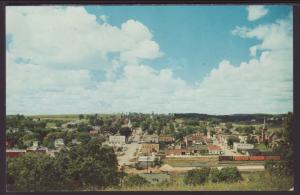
156,146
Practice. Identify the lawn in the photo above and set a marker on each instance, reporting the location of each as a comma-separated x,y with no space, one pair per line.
254,181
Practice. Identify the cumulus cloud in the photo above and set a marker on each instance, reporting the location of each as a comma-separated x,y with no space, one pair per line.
49,36
42,77
256,12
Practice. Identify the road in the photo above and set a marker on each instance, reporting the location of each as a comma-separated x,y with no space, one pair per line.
129,154
131,148
227,152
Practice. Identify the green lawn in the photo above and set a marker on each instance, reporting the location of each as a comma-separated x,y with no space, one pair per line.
257,181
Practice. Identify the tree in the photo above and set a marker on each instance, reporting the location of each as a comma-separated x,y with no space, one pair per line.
196,176
126,131
229,125
286,151
81,116
33,172
229,174
231,140
90,164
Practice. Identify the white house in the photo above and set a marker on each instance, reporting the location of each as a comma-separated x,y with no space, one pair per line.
117,140
243,138
242,146
58,143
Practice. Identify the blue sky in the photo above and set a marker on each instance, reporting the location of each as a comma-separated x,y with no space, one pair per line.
194,37
206,59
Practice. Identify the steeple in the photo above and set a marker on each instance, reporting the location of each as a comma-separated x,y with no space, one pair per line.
263,130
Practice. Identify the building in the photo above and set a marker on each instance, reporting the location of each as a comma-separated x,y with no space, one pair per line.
12,153
198,149
146,161
177,152
117,140
150,138
75,141
243,138
59,143
166,139
149,148
196,138
213,149
40,150
242,146
93,132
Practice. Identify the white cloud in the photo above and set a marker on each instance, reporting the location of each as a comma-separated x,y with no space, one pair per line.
49,36
256,12
61,82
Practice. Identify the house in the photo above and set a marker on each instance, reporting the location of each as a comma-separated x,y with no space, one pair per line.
149,148
34,146
213,149
12,153
93,132
198,149
146,161
75,141
59,143
196,138
242,146
40,150
243,138
218,130
177,152
150,138
166,139
69,125
117,140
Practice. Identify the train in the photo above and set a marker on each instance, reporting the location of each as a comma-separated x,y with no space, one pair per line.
248,158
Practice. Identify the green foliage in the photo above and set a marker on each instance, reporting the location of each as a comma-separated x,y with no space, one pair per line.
286,151
75,168
231,140
226,174
278,168
126,131
33,172
135,180
196,176
246,129
229,126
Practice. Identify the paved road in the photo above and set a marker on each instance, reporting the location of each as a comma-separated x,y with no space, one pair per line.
131,148
129,154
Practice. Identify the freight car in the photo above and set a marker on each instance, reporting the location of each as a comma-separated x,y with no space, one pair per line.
248,158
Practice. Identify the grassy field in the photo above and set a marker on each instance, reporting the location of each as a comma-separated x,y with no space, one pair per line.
69,117
257,181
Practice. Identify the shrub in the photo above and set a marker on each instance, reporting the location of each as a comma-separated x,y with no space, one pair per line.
215,175
278,168
230,174
135,180
196,176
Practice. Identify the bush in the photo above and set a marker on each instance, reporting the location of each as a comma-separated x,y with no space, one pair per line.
196,176
229,174
135,180
278,168
215,175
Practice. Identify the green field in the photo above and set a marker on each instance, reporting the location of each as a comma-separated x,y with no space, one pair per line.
257,181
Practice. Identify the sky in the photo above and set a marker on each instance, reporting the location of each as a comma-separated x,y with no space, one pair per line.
162,59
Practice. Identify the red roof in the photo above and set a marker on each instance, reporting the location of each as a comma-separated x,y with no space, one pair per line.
214,147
